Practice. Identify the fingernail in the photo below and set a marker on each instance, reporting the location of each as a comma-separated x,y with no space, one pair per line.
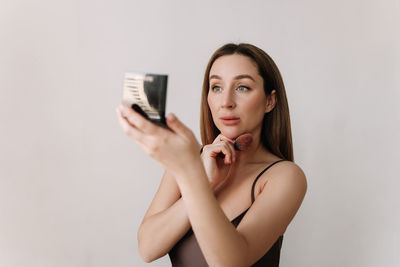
171,116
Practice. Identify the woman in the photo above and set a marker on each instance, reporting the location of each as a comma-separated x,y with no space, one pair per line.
223,207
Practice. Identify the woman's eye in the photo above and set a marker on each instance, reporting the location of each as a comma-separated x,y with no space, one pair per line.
243,88
216,88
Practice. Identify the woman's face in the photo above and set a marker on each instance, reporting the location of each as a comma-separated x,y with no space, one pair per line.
236,96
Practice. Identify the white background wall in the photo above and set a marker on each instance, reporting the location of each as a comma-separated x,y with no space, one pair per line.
73,187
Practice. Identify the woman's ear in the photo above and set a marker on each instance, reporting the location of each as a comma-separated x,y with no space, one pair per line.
271,101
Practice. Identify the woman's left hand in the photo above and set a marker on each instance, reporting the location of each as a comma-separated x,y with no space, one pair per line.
173,149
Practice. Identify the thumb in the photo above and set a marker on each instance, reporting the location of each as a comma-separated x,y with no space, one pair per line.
176,125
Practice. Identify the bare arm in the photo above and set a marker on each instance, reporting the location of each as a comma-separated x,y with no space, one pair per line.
220,242
164,223
224,245
166,219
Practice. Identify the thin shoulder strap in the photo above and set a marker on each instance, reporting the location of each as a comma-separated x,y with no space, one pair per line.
258,176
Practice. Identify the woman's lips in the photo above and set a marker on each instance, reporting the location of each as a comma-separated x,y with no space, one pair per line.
230,120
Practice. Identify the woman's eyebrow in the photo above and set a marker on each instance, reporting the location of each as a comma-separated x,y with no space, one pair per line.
244,76
238,77
215,77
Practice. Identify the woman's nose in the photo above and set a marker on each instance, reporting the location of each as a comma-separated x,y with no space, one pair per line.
228,100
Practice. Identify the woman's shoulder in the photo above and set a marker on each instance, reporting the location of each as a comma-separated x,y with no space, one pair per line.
287,172
286,165
282,173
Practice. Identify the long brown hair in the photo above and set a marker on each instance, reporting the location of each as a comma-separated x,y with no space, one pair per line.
276,134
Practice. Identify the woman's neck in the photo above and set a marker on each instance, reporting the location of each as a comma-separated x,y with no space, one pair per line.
255,153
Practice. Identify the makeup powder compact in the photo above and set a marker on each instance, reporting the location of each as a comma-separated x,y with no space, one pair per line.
146,93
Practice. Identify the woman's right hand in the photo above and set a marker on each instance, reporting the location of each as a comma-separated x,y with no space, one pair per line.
218,159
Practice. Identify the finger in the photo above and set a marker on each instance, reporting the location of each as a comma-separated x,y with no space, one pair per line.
129,129
218,149
224,138
137,120
229,158
177,126
221,137
232,152
140,138
217,139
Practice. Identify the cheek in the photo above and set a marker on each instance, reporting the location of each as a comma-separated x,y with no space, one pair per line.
254,110
211,104
256,104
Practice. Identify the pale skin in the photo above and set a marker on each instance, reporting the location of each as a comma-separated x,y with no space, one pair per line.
206,191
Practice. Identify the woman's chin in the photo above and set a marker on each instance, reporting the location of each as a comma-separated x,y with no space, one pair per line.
231,134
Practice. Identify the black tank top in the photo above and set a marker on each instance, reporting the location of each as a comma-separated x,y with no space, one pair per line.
187,253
